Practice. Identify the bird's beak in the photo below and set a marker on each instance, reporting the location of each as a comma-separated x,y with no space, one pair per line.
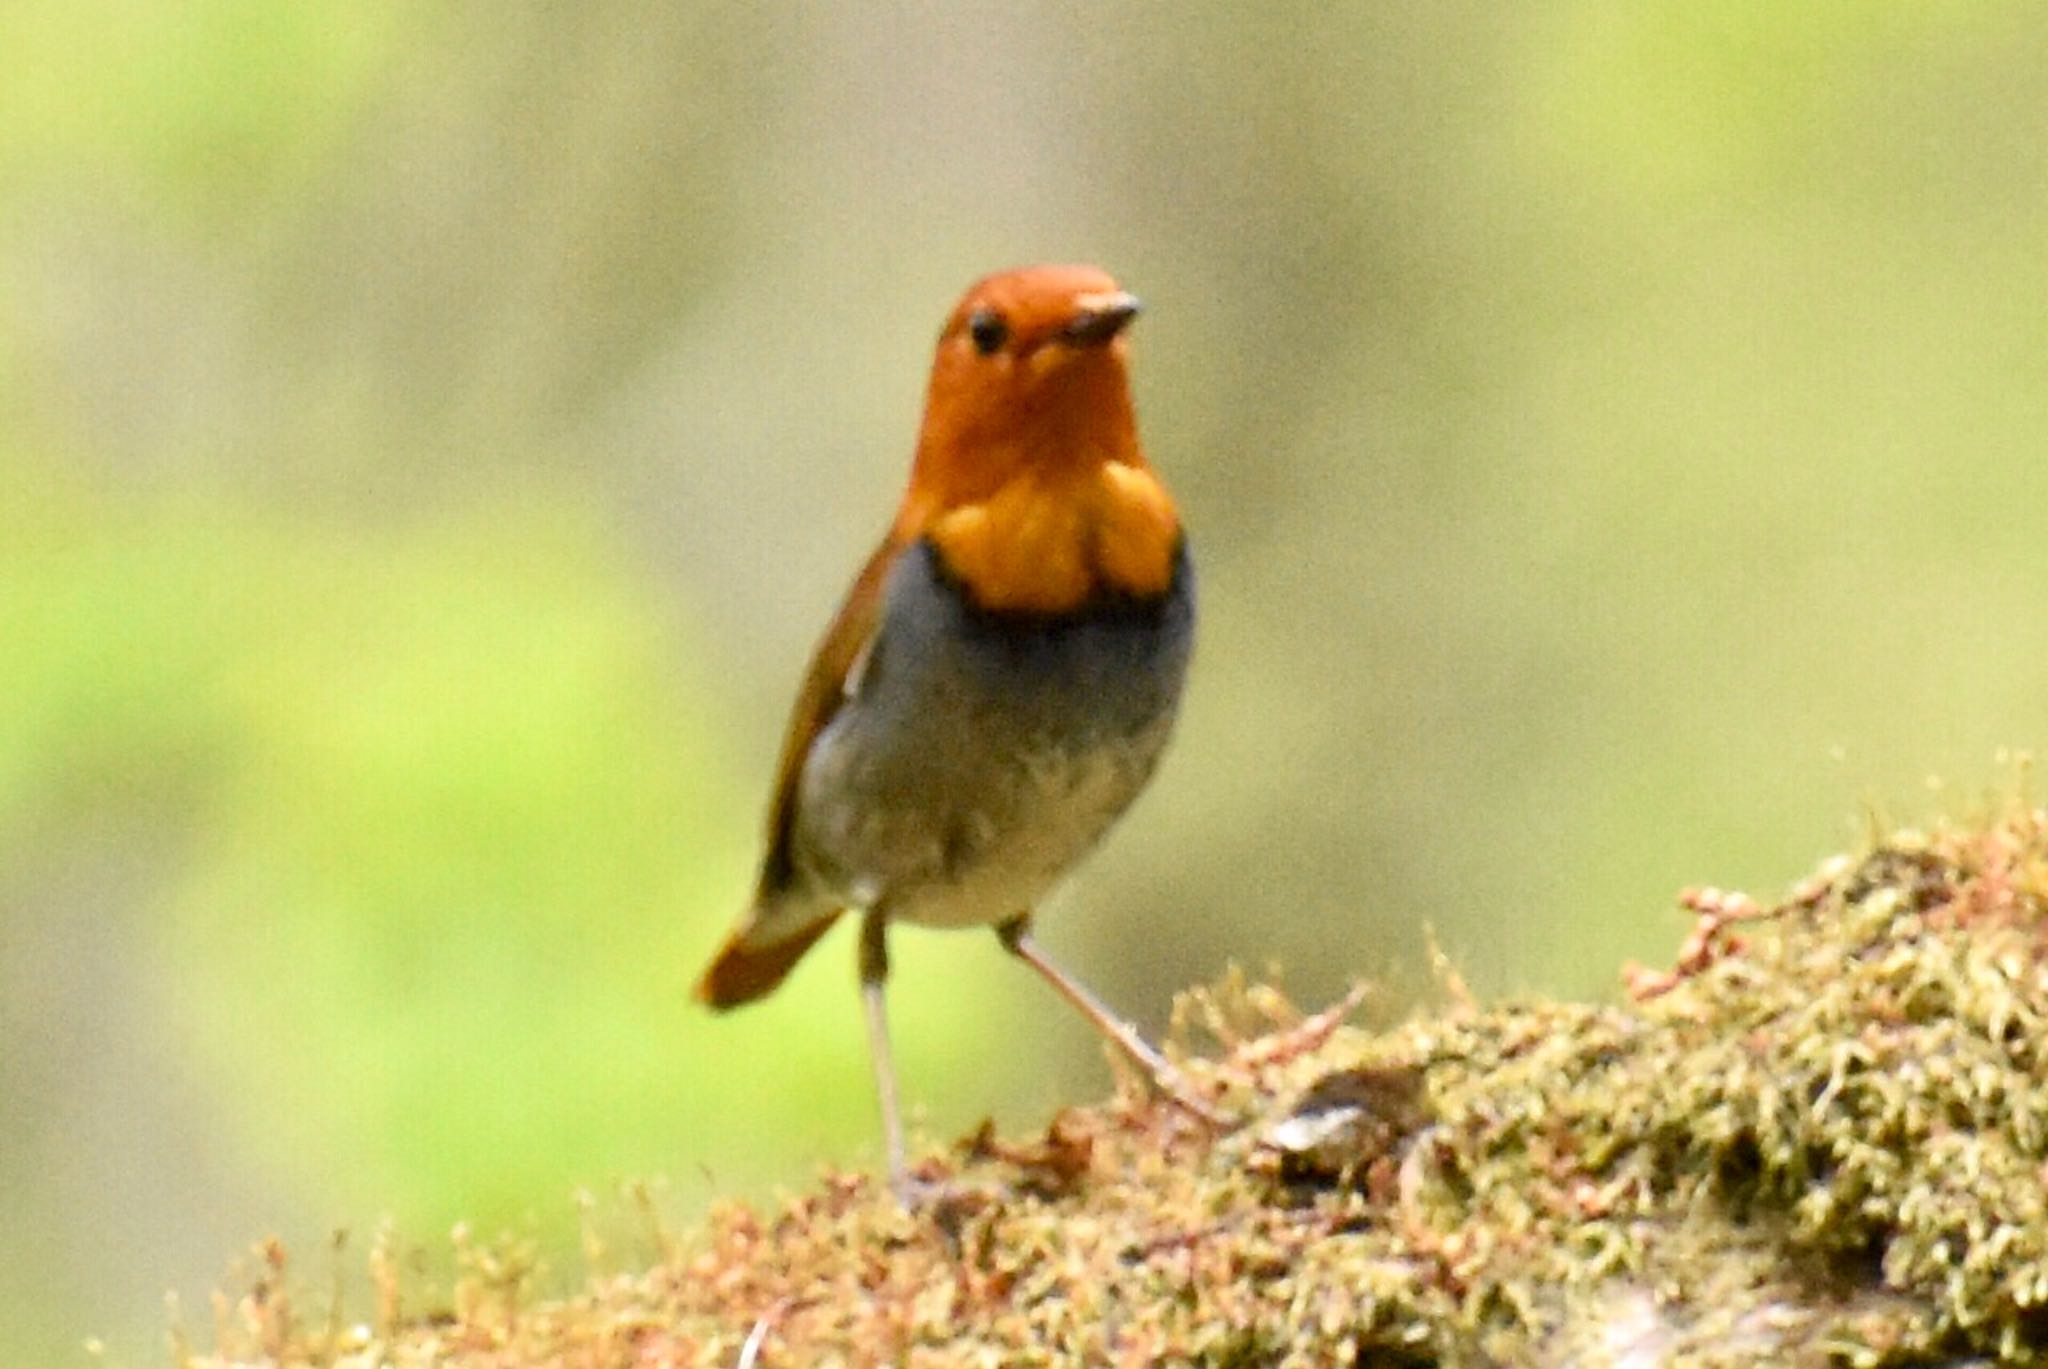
1099,317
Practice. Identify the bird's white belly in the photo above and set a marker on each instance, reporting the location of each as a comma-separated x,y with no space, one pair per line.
1002,860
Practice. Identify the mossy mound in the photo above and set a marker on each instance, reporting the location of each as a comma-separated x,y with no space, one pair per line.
1822,1138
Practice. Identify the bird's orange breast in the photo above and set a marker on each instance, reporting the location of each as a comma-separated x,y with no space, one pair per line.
1054,538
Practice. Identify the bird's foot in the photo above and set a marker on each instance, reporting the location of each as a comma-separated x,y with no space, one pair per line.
1175,1088
946,1202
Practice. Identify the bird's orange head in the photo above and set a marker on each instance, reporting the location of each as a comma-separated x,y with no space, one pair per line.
1029,477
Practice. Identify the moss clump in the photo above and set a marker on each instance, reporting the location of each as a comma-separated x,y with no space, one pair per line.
1822,1138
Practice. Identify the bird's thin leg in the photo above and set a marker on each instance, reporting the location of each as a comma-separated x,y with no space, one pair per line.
874,974
1016,938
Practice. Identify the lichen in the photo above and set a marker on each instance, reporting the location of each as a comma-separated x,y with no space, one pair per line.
1820,1138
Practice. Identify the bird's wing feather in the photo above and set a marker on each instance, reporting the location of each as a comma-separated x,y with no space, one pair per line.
773,935
831,680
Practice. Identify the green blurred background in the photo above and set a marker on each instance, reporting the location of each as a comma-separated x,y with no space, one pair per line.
431,437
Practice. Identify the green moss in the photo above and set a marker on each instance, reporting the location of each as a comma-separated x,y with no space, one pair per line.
1820,1139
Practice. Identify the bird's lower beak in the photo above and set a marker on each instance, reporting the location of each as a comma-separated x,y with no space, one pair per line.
1098,318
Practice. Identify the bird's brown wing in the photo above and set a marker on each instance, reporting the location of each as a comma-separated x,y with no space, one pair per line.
826,688
750,963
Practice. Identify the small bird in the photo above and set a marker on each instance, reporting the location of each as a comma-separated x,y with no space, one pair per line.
1002,677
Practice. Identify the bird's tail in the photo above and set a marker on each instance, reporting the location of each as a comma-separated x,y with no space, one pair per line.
761,951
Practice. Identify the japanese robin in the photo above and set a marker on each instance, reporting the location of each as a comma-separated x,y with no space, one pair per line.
1002,677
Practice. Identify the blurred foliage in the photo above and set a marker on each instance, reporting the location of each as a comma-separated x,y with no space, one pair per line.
429,440
200,110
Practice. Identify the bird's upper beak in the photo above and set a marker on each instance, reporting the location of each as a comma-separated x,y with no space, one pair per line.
1099,317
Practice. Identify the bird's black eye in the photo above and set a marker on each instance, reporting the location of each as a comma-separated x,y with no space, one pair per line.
988,331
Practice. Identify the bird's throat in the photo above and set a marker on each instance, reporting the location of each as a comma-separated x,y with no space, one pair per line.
1052,541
